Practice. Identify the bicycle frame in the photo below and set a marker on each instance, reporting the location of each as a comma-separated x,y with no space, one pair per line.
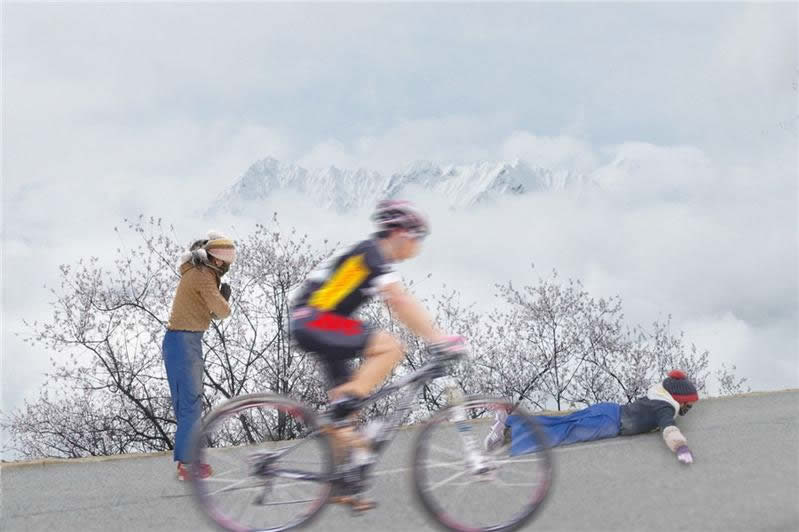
413,382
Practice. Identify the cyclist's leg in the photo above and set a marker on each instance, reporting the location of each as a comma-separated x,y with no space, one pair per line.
335,340
338,372
382,354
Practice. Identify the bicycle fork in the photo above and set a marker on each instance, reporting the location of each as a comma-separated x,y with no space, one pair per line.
475,459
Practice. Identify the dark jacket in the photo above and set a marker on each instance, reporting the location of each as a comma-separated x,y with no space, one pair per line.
645,415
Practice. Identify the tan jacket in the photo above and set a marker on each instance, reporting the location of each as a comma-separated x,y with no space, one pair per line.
197,300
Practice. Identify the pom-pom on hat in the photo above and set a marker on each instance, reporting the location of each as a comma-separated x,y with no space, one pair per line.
221,247
680,388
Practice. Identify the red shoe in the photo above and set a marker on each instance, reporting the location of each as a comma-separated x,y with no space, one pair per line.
185,471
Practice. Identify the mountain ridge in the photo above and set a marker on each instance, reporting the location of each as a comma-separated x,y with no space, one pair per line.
344,189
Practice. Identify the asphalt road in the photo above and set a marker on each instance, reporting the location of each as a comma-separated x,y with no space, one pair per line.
746,477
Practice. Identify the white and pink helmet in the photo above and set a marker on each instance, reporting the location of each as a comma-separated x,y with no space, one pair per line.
400,214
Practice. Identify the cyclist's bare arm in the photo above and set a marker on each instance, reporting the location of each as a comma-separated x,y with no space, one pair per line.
410,312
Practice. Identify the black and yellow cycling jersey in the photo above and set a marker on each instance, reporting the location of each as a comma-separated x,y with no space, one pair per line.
347,280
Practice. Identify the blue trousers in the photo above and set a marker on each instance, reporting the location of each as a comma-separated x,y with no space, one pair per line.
602,420
183,358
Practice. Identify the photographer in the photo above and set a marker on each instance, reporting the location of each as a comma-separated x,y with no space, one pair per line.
200,297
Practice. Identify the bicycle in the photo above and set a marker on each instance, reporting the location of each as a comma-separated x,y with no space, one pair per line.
285,453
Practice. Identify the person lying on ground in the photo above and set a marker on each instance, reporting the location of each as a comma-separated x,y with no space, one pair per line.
658,410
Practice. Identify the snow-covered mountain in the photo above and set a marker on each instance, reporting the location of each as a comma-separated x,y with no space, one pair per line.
342,190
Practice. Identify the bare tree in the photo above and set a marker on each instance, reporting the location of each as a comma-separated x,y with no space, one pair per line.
106,332
557,345
729,383
550,332
81,423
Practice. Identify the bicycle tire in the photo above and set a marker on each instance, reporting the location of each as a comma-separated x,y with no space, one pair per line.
421,470
234,411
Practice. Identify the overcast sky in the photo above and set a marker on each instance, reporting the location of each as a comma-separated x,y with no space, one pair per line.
685,113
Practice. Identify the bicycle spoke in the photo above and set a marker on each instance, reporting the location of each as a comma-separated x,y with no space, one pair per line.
464,495
217,478
503,482
260,483
518,484
227,458
497,451
298,501
446,481
225,472
234,486
529,460
450,465
446,451
461,487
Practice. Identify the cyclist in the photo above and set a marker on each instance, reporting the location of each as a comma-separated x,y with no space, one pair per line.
322,319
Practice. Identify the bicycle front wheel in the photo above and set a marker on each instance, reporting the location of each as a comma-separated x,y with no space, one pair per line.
271,465
469,477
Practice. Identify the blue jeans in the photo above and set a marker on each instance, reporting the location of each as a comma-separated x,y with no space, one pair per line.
183,358
595,422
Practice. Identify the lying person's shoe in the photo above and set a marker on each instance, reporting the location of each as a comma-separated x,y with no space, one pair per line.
496,434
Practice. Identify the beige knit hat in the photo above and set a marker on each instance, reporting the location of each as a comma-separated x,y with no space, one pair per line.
221,247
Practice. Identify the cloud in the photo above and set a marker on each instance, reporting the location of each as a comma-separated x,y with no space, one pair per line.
550,152
762,42
335,153
113,110
455,139
643,172
735,341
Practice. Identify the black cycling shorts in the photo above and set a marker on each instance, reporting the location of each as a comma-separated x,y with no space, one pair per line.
333,338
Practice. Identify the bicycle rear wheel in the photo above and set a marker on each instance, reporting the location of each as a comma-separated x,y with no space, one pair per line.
271,465
467,488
